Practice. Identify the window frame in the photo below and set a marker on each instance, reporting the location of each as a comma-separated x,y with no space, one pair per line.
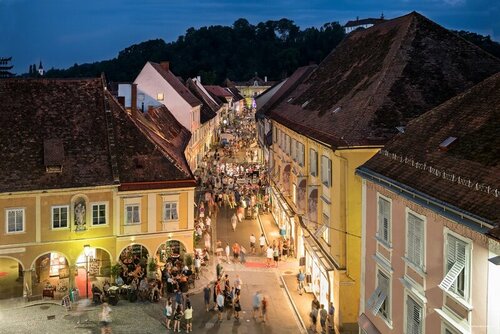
160,97
164,213
410,260
293,149
328,182
52,227
301,154
418,303
387,304
105,213
313,153
23,211
379,234
287,144
326,232
132,205
467,277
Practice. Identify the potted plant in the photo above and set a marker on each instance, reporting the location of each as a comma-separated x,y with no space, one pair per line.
188,260
152,266
115,270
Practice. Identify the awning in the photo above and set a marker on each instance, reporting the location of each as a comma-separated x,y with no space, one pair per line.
313,248
366,325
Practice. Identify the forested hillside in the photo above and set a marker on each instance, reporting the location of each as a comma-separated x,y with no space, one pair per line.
273,49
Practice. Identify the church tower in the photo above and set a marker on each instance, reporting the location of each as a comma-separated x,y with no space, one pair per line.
40,69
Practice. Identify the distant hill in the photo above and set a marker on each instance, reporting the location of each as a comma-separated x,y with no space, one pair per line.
272,48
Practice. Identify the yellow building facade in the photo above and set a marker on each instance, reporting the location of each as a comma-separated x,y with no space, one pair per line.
317,203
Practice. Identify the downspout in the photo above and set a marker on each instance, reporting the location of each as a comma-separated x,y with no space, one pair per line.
345,161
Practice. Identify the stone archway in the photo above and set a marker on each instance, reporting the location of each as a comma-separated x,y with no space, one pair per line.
170,250
51,271
133,256
98,265
11,277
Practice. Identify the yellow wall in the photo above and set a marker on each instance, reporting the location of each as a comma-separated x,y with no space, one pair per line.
39,238
345,214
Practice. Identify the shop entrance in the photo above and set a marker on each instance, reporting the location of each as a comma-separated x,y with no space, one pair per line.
98,264
51,275
134,260
171,251
11,278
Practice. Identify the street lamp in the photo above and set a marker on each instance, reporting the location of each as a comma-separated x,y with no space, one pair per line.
86,251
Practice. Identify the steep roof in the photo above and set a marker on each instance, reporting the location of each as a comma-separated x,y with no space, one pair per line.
473,119
355,23
209,107
380,78
177,85
219,91
67,119
236,93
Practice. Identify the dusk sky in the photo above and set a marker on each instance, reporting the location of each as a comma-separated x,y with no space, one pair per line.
61,32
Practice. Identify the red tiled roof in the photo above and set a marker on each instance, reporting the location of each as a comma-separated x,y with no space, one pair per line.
100,148
209,107
473,118
380,78
177,85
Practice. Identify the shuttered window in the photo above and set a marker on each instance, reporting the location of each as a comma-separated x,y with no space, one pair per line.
414,317
326,171
415,240
378,302
384,220
15,220
313,162
457,268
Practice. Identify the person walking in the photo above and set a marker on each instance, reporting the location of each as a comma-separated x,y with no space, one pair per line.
331,319
262,242
168,312
237,306
314,318
206,296
323,315
264,307
234,221
269,256
220,305
276,256
300,279
188,316
243,253
256,304
228,252
105,316
177,318
252,243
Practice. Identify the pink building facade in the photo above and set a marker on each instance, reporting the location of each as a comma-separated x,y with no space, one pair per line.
409,250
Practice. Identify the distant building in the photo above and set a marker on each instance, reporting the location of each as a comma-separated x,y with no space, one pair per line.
252,88
41,71
363,23
5,67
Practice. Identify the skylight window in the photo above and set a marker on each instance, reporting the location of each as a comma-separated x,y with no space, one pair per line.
447,142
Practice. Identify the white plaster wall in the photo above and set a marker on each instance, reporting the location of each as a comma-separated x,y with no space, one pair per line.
150,82
125,91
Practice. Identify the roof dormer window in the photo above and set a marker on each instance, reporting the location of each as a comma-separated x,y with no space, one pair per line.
53,155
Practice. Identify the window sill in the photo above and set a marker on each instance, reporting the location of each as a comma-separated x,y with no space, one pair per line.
132,224
459,300
170,221
418,270
60,229
16,232
387,322
383,243
105,225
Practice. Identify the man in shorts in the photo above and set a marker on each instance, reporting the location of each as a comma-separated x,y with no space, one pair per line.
262,243
252,244
256,304
323,314
220,305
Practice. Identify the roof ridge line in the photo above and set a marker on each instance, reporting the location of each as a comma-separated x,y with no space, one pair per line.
110,133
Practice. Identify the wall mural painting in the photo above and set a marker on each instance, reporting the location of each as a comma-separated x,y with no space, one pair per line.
312,212
79,214
301,196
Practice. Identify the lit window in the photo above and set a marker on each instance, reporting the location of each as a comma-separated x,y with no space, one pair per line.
170,211
132,214
15,220
159,96
326,171
60,217
99,214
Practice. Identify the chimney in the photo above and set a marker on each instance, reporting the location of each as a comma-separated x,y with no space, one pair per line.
265,78
198,78
133,99
165,65
121,100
